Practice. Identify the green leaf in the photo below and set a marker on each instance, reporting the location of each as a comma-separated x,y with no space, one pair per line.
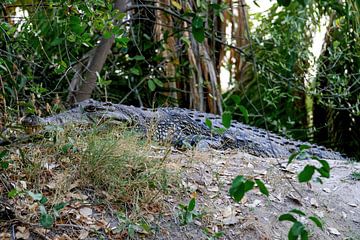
13,193
137,58
135,70
323,172
199,34
4,165
3,154
151,85
304,235
248,185
287,217
46,220
35,196
317,222
292,157
197,22
306,174
43,200
245,113
296,230
158,82
237,189
226,119
298,212
60,206
191,204
56,42
304,147
107,34
284,3
262,187
75,25
325,165
208,123
236,99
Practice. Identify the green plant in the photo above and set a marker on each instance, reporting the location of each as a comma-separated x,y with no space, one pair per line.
4,164
47,217
355,175
298,229
128,226
187,212
307,173
241,185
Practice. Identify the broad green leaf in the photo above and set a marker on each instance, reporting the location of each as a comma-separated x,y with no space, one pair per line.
158,82
191,204
304,235
226,119
248,185
151,85
135,70
75,25
198,30
296,230
46,220
306,174
298,212
237,189
262,187
317,222
287,217
199,34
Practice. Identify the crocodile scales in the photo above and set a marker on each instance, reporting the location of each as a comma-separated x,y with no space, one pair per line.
180,126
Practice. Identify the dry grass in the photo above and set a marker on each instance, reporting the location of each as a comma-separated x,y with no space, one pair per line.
102,166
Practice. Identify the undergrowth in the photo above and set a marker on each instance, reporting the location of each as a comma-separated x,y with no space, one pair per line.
73,166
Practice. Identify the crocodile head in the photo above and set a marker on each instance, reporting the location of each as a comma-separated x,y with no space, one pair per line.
104,111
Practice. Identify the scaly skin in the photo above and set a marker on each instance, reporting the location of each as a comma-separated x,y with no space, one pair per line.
182,126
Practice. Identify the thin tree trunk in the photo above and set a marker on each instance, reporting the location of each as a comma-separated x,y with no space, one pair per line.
87,86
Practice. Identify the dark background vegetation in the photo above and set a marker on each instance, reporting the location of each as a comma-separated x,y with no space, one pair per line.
169,53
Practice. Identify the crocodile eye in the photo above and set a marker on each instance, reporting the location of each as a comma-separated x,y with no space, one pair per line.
90,108
107,104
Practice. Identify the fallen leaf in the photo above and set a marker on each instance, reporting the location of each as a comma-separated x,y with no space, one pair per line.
85,211
334,231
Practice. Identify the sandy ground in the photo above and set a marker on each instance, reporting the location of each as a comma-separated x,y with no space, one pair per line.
336,201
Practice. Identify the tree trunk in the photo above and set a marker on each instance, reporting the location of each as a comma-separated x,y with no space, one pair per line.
84,88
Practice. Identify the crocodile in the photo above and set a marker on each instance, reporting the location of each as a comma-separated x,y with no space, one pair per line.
185,127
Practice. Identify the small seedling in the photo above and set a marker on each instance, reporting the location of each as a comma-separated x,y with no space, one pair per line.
188,213
298,229
307,173
241,185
